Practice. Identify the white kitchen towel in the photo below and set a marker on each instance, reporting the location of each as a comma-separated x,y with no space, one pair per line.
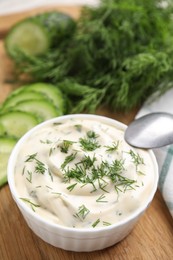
164,155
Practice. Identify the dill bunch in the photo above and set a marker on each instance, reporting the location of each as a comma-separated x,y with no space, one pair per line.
123,48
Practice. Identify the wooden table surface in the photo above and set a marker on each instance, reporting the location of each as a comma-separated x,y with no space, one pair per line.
152,238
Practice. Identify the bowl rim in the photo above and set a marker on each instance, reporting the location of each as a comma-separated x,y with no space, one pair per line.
22,205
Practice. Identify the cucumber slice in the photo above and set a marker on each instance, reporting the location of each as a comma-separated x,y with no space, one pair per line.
29,37
43,109
51,91
17,123
15,98
35,35
6,146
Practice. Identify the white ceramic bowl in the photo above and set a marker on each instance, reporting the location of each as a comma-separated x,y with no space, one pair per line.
70,238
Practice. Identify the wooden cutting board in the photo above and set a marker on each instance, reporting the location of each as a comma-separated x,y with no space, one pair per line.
152,238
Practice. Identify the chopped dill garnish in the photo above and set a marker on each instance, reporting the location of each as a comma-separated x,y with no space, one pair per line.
29,178
23,171
78,127
33,205
92,134
89,144
50,188
87,161
50,174
96,223
46,141
64,147
51,151
31,157
136,158
105,223
101,198
40,167
113,147
56,193
57,123
89,173
68,159
82,212
71,187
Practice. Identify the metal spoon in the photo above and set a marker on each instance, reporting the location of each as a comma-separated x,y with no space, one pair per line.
151,131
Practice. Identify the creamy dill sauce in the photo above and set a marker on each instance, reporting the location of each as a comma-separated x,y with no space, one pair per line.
81,173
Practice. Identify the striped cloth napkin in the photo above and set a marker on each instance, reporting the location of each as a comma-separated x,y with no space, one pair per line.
164,155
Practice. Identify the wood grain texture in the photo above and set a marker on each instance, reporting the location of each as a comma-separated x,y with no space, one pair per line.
151,239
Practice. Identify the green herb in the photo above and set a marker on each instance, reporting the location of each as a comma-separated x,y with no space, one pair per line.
51,150
65,146
30,176
46,141
89,143
119,48
23,171
78,127
48,187
87,161
136,158
31,157
101,198
105,223
39,167
68,159
77,173
33,205
50,174
56,193
96,223
71,187
92,134
113,147
82,212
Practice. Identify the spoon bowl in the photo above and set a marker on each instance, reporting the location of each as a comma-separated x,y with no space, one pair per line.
150,131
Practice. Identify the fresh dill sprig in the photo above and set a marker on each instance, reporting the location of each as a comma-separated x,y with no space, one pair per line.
138,48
